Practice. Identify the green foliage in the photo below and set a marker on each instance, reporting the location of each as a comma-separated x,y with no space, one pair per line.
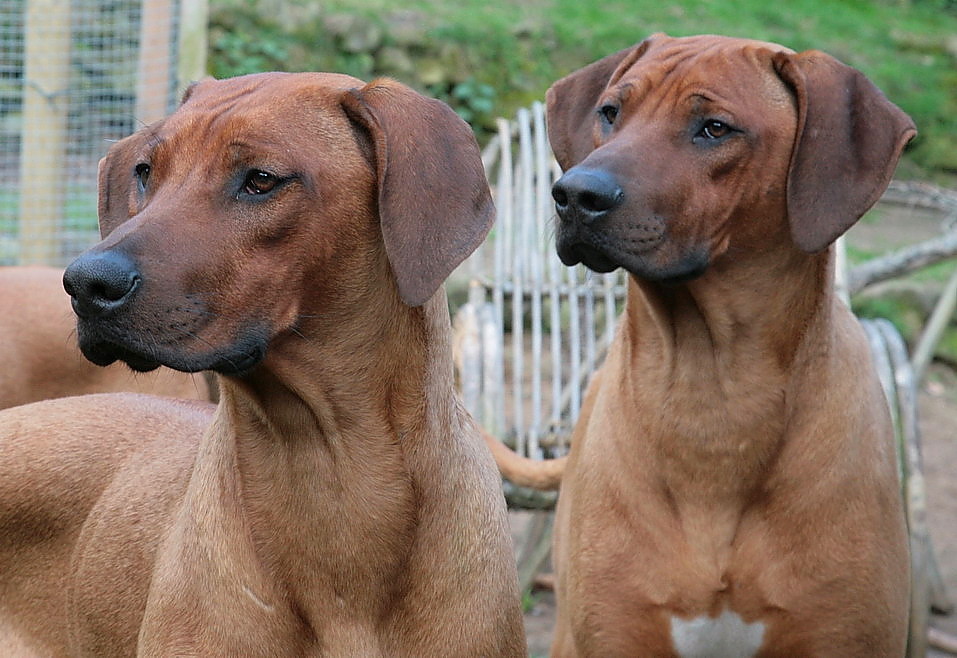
947,347
903,311
474,101
488,59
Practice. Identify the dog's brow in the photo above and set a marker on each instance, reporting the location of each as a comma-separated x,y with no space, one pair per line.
154,141
699,101
247,149
622,92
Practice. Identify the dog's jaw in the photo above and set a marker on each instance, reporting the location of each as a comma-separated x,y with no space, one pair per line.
600,254
103,343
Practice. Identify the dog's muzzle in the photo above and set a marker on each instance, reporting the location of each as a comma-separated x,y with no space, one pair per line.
101,284
584,199
105,289
586,196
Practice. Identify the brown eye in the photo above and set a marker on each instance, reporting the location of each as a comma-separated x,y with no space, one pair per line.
142,173
609,113
714,129
259,182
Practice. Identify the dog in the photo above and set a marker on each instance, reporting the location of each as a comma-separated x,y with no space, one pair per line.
731,487
290,232
39,353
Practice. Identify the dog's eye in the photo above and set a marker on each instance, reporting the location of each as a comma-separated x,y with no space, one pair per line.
259,182
714,129
608,112
142,173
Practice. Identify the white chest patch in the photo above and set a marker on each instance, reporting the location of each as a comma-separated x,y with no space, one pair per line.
725,636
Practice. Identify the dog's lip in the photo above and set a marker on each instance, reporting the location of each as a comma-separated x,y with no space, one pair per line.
587,255
604,257
241,362
602,248
597,251
237,358
106,353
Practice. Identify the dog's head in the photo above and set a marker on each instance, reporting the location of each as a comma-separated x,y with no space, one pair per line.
675,150
267,199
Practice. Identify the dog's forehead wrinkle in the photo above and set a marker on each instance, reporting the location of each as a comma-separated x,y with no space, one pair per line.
252,139
266,109
682,68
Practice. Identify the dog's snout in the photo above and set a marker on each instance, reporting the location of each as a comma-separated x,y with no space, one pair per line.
587,193
101,283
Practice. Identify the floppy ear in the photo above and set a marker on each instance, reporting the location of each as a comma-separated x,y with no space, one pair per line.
115,184
434,203
570,104
848,141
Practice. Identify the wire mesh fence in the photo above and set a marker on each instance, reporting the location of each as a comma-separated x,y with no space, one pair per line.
75,76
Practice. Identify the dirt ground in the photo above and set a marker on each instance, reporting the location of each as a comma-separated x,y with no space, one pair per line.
938,422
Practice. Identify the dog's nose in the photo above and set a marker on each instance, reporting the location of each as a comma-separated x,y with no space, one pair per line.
588,194
101,283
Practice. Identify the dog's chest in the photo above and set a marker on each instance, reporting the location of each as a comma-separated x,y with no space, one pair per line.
724,636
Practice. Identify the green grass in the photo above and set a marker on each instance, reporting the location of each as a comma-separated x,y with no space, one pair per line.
519,48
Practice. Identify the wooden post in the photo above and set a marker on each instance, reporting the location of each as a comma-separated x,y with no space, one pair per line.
936,325
156,66
153,69
43,138
193,43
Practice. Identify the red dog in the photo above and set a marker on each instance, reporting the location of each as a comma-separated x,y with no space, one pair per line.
731,488
290,232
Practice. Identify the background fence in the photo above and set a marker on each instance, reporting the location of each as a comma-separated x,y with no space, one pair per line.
75,76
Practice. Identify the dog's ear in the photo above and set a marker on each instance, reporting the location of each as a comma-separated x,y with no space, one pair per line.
570,104
115,182
434,203
849,138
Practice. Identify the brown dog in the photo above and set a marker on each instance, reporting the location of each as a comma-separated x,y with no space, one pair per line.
39,358
731,488
290,232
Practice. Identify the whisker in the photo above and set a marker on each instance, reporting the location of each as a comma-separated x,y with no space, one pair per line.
154,352
196,337
240,315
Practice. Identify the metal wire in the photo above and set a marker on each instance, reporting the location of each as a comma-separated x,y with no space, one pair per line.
73,80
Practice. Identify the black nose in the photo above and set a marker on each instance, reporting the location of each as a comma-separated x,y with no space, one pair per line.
588,194
100,283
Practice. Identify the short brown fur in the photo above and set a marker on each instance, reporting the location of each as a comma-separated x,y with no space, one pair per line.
338,501
734,452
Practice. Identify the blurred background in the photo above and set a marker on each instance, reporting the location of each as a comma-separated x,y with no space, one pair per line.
78,75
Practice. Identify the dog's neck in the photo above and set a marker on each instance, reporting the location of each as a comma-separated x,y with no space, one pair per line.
365,383
321,454
712,362
760,306
371,367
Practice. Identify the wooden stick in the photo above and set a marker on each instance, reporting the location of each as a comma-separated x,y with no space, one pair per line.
902,262
939,319
46,83
942,641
